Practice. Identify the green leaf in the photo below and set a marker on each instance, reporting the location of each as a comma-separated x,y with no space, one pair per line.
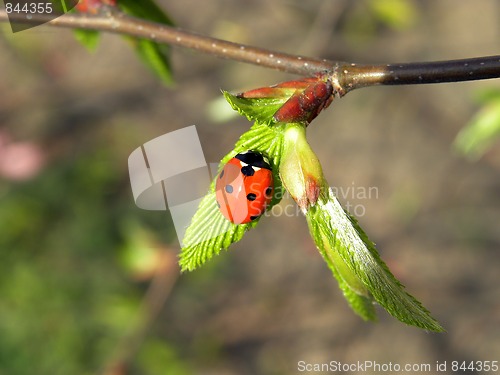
353,289
258,109
145,9
88,38
209,232
354,259
480,133
154,55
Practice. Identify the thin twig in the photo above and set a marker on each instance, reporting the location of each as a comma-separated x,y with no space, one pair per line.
119,23
353,76
345,76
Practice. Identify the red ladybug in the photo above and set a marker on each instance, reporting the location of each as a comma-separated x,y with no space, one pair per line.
244,187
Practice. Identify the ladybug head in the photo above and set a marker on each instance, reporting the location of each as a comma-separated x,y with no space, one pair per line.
253,159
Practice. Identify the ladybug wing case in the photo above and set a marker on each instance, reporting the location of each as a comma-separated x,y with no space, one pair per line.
243,191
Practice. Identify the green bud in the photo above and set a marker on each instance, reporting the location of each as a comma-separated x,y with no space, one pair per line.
300,170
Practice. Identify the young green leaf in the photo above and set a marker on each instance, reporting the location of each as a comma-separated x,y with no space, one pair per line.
357,254
209,232
155,56
257,109
145,9
354,291
353,259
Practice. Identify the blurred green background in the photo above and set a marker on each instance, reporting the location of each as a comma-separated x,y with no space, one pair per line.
88,282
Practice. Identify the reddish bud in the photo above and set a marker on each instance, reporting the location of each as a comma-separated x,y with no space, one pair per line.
305,106
306,98
280,90
93,6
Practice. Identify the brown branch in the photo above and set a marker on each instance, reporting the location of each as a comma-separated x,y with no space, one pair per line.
346,76
353,76
114,21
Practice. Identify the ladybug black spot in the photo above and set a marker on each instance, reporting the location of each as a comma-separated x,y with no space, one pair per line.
221,174
247,170
269,190
229,189
251,196
253,217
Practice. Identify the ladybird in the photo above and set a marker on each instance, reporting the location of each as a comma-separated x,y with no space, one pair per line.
244,187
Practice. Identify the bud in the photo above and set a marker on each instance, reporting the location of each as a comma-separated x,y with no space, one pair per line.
300,170
306,105
281,90
93,6
301,100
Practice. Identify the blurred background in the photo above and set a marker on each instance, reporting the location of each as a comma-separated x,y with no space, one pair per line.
88,281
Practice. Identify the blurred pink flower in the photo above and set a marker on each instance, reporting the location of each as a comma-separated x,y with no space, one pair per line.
19,161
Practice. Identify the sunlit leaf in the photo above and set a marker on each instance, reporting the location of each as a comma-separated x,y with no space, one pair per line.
257,109
209,232
353,289
358,260
156,57
145,9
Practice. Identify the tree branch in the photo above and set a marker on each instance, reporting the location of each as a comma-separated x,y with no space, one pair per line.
346,76
473,69
114,21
